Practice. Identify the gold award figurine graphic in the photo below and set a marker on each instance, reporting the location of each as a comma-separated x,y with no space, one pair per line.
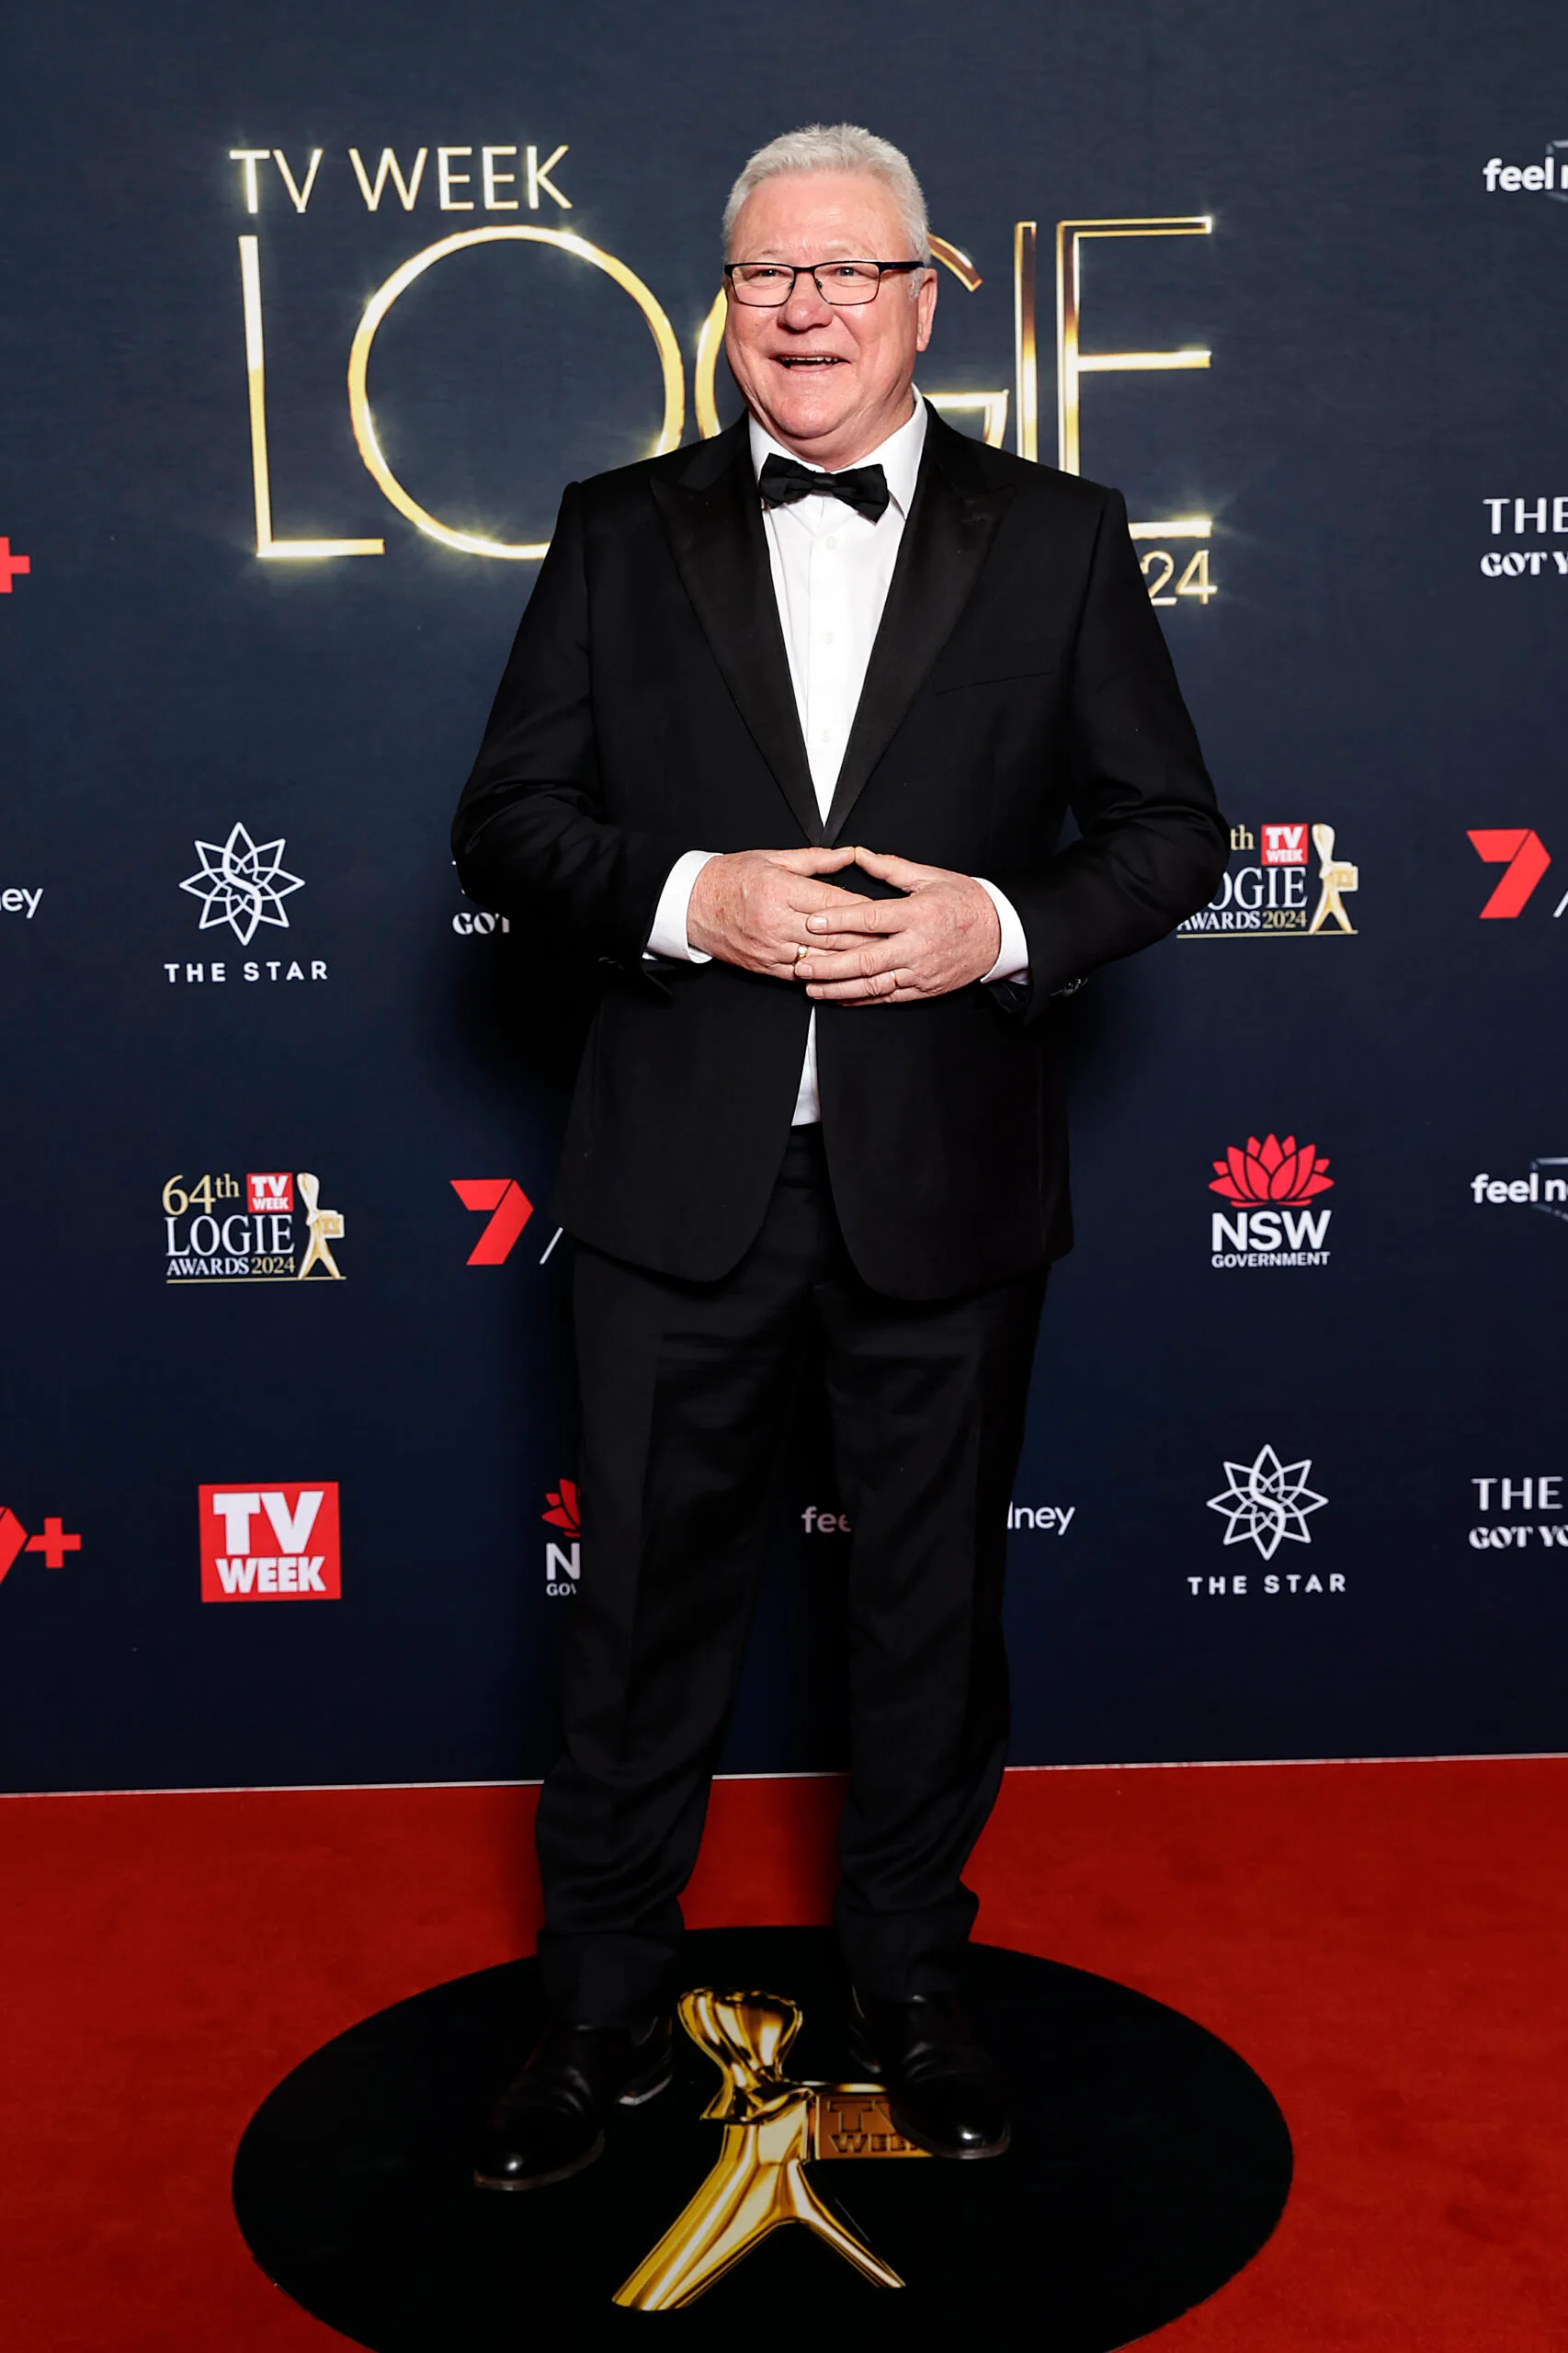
326,1228
1336,875
773,2129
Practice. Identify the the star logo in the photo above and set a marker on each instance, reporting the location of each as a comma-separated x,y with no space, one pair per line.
241,883
1269,1501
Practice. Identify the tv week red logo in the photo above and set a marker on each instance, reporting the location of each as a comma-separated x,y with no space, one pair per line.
273,1190
271,1543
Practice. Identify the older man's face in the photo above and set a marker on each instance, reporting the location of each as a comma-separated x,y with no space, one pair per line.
829,384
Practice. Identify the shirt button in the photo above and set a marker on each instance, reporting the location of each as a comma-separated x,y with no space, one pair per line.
830,543
827,637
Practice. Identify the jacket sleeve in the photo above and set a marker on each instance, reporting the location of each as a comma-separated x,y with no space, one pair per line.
1152,844
530,837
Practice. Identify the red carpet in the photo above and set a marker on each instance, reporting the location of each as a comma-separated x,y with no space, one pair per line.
1387,1944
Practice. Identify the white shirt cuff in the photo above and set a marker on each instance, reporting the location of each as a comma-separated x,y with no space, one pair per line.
1012,962
668,935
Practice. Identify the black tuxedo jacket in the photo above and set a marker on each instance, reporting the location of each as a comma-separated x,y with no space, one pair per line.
647,710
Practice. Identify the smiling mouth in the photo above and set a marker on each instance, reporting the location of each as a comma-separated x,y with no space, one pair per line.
809,359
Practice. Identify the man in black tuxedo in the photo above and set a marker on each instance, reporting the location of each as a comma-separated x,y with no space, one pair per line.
839,623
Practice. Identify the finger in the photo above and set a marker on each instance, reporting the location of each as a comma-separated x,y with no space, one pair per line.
805,895
811,861
856,963
901,870
869,915
854,987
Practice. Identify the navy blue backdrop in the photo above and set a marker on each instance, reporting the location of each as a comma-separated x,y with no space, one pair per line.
1295,1476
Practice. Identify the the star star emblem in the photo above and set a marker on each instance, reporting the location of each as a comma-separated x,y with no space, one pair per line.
241,883
1267,1501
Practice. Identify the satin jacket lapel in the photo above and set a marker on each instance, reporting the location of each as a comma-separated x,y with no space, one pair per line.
714,522
946,541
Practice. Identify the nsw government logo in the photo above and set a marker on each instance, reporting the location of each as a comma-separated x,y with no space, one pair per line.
241,885
1270,1184
224,1229
1267,892
275,1543
562,1562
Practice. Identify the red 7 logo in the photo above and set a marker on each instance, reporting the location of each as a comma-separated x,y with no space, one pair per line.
1526,857
512,1208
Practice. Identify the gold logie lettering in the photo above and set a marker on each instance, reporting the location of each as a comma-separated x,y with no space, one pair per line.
248,158
494,203
1024,360
381,302
538,177
1071,363
406,189
300,197
992,407
447,180
255,375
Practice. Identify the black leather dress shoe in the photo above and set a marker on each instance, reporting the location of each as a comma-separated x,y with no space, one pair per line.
550,2122
944,2092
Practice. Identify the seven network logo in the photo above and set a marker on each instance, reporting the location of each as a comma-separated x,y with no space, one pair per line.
300,1523
562,1562
1265,1503
507,1210
241,885
1548,177
1270,895
217,1231
1524,857
1269,1183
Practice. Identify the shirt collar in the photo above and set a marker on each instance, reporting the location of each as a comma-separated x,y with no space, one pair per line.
898,456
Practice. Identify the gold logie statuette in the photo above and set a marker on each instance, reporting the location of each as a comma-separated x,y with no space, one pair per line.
1336,876
324,1227
773,2129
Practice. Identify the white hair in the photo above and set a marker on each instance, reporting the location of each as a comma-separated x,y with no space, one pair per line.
839,147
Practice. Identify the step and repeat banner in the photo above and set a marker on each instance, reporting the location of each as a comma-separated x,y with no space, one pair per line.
310,315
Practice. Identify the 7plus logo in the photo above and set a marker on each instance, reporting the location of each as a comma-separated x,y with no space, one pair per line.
52,1540
1525,858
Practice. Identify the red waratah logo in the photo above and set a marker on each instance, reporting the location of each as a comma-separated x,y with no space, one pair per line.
562,1512
1271,1171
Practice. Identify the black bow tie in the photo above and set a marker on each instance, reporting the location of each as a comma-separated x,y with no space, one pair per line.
865,488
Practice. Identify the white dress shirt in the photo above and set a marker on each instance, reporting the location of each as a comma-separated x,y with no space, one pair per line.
832,569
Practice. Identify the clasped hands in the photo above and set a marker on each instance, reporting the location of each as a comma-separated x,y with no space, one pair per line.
769,911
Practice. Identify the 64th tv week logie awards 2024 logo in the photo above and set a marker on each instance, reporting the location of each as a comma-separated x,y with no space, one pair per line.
1271,892
225,1229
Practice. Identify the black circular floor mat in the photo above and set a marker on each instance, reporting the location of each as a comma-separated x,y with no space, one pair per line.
1148,2164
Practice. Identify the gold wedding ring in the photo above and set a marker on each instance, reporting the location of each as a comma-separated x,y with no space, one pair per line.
803,949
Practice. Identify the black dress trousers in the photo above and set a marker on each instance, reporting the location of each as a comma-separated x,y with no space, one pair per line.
687,1393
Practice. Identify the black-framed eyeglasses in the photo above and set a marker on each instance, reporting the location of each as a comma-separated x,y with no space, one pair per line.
768,285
